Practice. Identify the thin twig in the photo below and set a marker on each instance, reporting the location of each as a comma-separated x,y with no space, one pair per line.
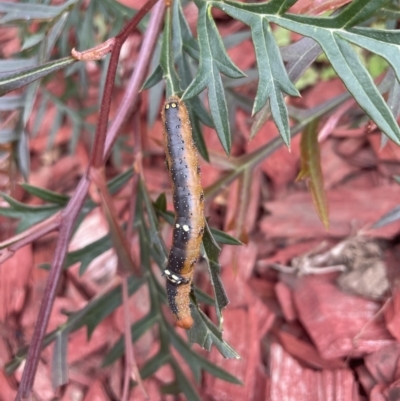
132,91
96,159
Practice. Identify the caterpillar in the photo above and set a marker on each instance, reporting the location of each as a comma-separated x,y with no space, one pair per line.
188,198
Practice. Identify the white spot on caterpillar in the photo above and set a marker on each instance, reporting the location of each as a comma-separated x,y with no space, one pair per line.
175,277
167,272
185,227
177,225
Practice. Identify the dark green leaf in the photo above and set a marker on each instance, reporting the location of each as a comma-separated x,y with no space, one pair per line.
98,309
29,12
206,334
153,364
213,61
224,238
154,78
212,252
357,12
161,203
197,361
46,194
88,253
137,330
184,384
28,215
167,58
16,80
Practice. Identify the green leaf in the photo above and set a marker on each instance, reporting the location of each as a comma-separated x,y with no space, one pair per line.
29,12
154,363
206,334
99,308
16,80
334,40
357,12
195,108
273,80
137,330
213,61
224,238
167,58
161,203
157,245
46,194
154,78
311,169
28,215
115,184
184,384
211,256
196,361
88,253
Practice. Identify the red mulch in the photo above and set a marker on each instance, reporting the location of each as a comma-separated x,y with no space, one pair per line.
300,337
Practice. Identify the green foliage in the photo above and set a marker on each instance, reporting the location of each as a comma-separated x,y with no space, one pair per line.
188,66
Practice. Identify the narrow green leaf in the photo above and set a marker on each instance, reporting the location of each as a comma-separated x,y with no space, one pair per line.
88,253
213,61
137,330
389,51
212,252
311,169
28,215
154,78
352,72
154,363
202,297
184,349
46,194
156,244
273,77
99,308
357,12
224,238
206,334
29,12
167,58
115,184
184,384
16,80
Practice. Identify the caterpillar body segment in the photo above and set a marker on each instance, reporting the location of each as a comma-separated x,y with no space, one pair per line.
188,199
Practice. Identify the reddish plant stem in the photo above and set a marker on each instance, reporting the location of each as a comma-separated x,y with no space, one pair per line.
96,159
70,214
132,92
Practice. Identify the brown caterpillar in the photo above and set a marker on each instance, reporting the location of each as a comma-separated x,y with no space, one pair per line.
184,170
